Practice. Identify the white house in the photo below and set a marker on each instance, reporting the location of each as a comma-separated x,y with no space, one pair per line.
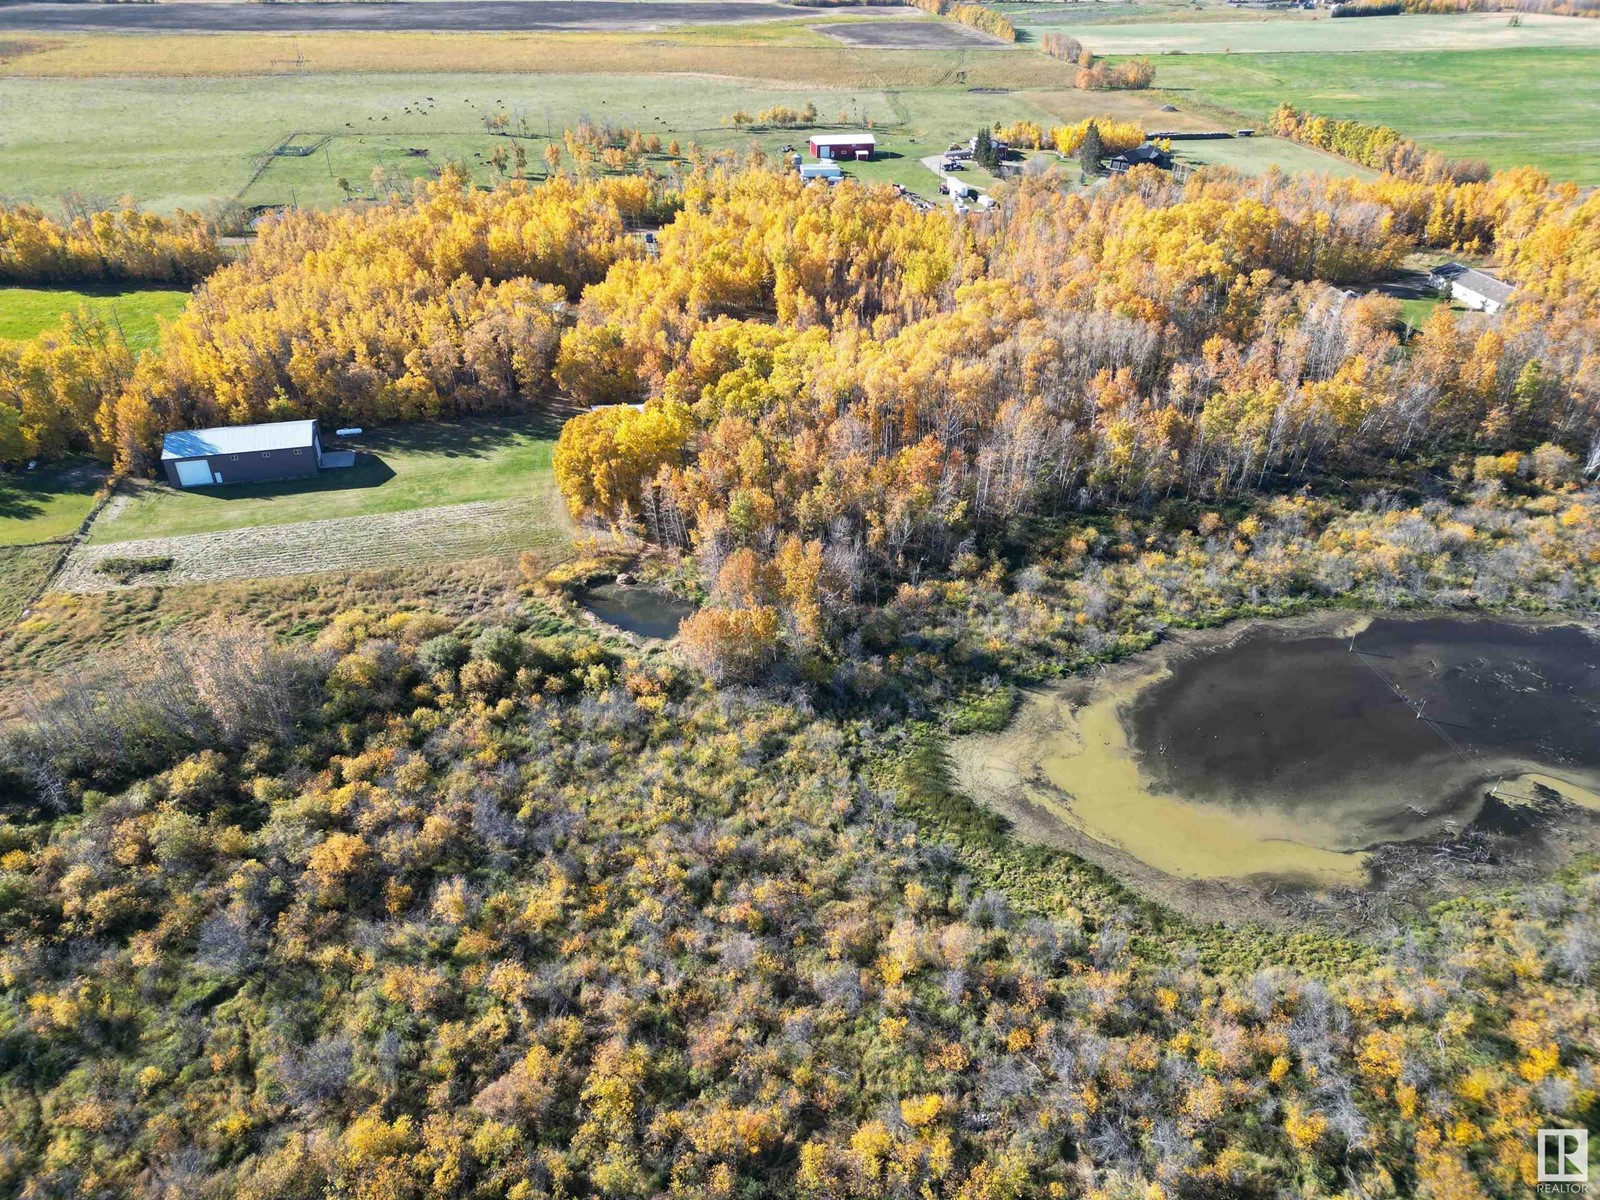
1472,288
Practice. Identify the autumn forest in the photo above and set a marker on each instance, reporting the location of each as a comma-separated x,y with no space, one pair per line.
422,904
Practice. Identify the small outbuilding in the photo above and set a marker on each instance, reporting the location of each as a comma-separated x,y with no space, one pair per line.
844,145
1473,288
242,454
828,171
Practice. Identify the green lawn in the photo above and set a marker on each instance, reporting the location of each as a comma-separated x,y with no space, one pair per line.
1304,33
410,467
1258,155
27,312
1510,107
46,504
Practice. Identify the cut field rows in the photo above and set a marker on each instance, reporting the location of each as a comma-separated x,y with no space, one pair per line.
447,533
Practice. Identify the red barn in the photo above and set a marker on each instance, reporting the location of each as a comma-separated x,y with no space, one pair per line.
843,145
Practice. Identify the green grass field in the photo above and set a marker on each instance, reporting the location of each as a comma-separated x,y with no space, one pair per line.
1511,107
23,570
1257,155
158,138
1304,34
47,504
27,312
412,467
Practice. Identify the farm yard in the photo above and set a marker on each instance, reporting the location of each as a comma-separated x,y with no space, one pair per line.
27,312
405,468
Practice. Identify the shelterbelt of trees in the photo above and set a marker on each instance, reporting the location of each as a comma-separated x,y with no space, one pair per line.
453,301
1376,146
118,246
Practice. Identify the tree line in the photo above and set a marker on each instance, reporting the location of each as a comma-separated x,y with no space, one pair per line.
113,246
1375,146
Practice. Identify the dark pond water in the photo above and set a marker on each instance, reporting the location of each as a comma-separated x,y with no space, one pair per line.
1328,730
646,611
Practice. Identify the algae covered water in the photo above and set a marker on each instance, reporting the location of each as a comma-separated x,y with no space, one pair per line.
1291,750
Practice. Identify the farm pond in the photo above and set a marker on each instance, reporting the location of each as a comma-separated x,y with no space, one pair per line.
1290,751
637,608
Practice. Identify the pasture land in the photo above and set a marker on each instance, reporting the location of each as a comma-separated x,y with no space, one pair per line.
48,503
27,312
1034,15
407,468
1508,107
159,139
1409,32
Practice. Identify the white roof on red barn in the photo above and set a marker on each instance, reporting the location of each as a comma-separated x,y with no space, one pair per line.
844,139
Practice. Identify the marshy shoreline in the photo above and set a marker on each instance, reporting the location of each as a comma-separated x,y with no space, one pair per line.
1261,771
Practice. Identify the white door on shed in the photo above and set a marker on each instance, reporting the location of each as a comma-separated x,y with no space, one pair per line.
193,472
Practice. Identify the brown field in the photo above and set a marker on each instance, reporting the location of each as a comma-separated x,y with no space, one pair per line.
1069,105
795,55
913,35
443,16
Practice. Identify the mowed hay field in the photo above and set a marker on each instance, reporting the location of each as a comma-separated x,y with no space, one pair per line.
447,534
1258,155
1508,107
27,312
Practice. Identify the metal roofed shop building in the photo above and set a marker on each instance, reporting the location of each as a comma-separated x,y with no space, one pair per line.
242,454
829,171
844,145
1473,288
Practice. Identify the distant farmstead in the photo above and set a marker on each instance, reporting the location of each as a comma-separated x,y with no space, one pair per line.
245,454
844,145
1473,288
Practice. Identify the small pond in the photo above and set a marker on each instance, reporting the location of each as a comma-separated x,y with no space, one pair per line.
1291,751
637,608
